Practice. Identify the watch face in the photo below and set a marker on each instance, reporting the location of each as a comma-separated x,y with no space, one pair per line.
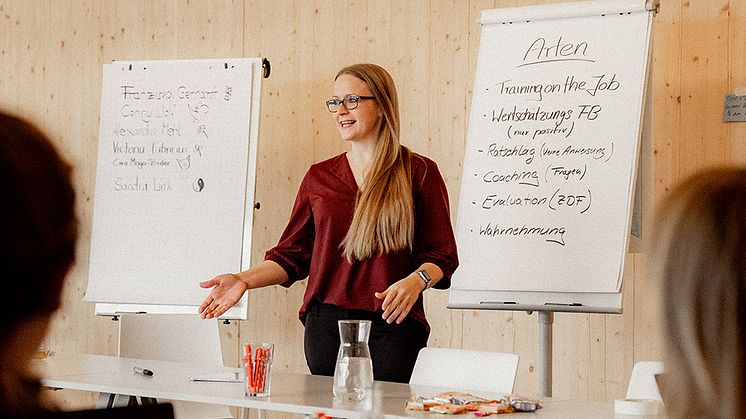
424,275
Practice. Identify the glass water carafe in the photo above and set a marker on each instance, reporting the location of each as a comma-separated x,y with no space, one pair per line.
353,376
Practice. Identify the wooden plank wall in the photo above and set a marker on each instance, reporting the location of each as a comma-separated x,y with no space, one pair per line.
51,52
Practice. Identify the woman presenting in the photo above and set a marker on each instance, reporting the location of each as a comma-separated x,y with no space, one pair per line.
371,230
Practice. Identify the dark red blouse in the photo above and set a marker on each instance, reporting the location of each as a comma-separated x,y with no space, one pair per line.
321,216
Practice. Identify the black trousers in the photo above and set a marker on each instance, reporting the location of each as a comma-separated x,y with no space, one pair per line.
393,347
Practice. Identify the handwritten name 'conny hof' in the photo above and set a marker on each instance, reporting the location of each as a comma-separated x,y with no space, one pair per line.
534,156
159,135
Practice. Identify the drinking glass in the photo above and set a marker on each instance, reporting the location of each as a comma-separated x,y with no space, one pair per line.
257,362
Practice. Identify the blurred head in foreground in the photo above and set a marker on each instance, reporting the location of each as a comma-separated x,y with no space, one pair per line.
700,259
38,231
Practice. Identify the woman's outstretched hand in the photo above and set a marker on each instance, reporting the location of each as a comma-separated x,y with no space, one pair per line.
399,298
227,289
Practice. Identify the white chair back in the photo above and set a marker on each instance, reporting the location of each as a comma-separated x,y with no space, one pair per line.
461,369
642,384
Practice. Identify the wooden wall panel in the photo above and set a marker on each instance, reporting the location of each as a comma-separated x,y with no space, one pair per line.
704,81
286,148
449,26
619,348
736,152
51,53
666,78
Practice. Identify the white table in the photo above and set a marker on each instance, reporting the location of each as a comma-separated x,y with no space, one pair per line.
293,393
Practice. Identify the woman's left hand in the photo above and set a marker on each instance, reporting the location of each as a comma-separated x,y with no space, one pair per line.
399,298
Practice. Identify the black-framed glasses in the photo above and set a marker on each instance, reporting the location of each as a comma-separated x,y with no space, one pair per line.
350,102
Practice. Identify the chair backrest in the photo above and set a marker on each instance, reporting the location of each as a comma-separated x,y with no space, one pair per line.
461,369
175,338
170,337
642,384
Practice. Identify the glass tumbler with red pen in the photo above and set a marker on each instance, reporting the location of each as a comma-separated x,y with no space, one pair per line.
257,361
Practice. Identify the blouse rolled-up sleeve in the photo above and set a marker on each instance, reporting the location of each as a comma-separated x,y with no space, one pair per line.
294,249
434,240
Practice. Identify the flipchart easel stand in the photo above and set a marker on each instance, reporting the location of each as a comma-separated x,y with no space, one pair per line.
175,332
546,319
573,302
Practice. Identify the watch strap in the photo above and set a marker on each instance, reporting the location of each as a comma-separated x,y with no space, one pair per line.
425,278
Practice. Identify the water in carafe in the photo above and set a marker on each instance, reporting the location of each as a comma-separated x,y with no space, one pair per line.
353,375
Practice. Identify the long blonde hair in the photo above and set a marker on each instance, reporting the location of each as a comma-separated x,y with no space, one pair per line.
700,258
383,221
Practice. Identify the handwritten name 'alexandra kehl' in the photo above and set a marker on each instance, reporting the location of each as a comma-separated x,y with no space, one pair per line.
542,51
